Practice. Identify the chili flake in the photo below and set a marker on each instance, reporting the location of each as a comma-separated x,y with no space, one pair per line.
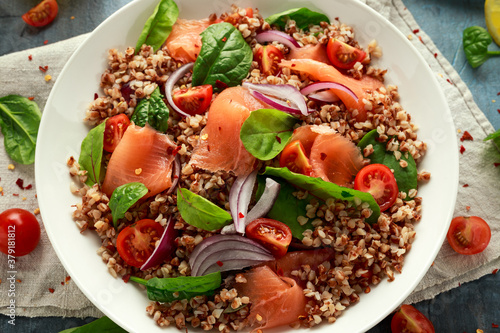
43,68
220,263
126,278
36,211
51,290
466,185
30,57
323,156
467,208
278,139
462,149
240,215
15,194
493,325
449,81
31,98
416,31
72,17
224,39
96,96
466,136
11,167
435,55
495,271
496,164
45,42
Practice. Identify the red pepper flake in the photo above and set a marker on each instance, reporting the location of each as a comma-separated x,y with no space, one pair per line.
466,136
278,139
126,278
323,156
19,280
462,149
44,68
224,39
293,65
51,290
28,187
96,96
336,19
496,164
220,263
498,93
221,85
416,31
31,98
176,150
62,283
66,280
45,42
495,271
498,110
15,194
30,57
493,325
435,55
420,39
467,208
449,81
20,183
240,215
466,185
208,147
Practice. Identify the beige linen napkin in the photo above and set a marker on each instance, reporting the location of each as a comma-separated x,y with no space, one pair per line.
42,289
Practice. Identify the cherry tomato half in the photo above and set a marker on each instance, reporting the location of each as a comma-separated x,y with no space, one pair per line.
343,55
113,133
268,57
410,320
294,158
19,232
378,180
194,100
469,235
42,14
136,242
274,235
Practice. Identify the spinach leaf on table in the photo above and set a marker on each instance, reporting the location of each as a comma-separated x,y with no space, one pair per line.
266,132
91,153
102,325
153,111
476,41
303,17
19,120
224,56
124,197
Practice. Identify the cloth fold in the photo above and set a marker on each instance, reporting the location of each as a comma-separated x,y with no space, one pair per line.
43,288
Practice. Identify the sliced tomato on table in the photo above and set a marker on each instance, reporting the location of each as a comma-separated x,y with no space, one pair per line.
19,232
42,14
343,55
114,130
469,235
274,235
194,100
294,158
136,242
379,181
410,320
268,57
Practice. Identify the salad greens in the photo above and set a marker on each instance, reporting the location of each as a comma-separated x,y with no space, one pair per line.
405,177
303,17
159,25
200,212
182,287
224,56
123,198
91,153
19,120
266,132
153,111
103,324
476,41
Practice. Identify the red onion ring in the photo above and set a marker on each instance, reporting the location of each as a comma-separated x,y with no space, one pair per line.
171,81
278,36
314,87
177,174
239,199
285,92
276,103
326,96
164,249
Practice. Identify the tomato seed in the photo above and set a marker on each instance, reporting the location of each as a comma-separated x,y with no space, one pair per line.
461,239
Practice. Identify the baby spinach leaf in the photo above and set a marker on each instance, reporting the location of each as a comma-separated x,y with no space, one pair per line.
476,41
224,56
163,289
153,111
124,197
91,153
303,17
266,132
200,212
19,120
103,324
159,25
405,177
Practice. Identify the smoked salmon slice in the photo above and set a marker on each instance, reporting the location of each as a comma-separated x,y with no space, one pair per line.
315,52
275,300
184,41
220,147
143,155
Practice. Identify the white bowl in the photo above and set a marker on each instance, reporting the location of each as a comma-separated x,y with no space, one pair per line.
62,131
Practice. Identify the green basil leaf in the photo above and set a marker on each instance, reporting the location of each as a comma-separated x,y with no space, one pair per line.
185,287
224,56
159,25
102,325
19,120
476,41
303,17
91,153
266,132
124,197
200,212
405,177
153,111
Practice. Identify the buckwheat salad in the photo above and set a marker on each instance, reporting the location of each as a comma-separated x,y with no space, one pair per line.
248,172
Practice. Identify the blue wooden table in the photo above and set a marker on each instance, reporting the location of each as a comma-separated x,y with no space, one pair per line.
472,306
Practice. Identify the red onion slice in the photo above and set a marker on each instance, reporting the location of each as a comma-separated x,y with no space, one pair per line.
164,249
285,92
326,96
314,87
276,103
278,36
177,174
171,81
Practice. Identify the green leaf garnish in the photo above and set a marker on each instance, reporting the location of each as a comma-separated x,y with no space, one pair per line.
124,197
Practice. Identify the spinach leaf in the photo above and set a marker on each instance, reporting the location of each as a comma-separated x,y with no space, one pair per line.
19,120
495,137
405,177
159,25
153,111
91,153
163,289
103,325
123,197
303,17
200,212
266,132
224,56
476,41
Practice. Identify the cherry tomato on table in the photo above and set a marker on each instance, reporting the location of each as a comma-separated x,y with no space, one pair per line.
113,133
274,235
343,55
378,180
268,57
410,320
42,14
294,158
194,100
136,242
469,235
19,232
